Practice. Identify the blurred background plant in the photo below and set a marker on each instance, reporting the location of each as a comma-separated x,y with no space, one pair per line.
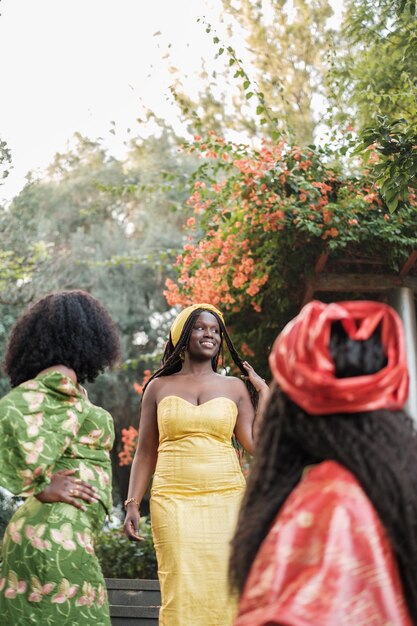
121,558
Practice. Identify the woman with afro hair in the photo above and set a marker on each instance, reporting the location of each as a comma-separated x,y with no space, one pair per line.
189,415
327,533
54,452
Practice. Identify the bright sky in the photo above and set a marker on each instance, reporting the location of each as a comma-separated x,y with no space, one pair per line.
78,65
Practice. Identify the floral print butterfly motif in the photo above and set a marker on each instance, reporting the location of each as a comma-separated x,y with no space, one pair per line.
33,422
71,424
107,442
38,590
33,449
86,473
85,540
67,387
103,477
15,586
88,595
66,591
92,438
34,399
75,402
28,476
102,595
35,536
63,537
14,529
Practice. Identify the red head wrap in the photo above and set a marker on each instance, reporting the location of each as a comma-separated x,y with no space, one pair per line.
302,365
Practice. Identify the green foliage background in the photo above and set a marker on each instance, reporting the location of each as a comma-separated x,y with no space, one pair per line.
121,558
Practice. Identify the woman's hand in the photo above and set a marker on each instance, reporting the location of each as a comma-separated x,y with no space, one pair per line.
263,397
64,487
131,523
254,378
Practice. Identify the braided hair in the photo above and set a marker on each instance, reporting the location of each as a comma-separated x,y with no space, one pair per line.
172,362
378,447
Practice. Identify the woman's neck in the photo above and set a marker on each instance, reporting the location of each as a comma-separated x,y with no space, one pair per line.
196,368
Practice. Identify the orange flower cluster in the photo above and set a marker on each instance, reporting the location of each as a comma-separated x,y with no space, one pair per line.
268,204
209,269
139,388
221,268
130,435
246,350
129,440
330,232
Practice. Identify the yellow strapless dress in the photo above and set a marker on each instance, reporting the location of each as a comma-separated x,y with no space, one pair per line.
195,498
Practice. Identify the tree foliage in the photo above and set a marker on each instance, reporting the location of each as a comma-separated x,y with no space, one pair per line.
279,78
291,54
395,173
373,86
121,558
262,218
375,63
5,160
287,47
14,268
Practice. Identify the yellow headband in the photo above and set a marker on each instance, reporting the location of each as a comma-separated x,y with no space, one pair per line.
181,319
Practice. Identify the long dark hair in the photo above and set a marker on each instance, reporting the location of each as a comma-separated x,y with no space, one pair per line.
69,328
378,447
172,362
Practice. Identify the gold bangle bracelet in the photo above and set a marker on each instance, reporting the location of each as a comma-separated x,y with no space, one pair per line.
129,500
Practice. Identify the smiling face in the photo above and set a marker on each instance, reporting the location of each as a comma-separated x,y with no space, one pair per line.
205,339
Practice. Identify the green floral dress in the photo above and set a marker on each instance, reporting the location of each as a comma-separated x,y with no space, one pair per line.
49,574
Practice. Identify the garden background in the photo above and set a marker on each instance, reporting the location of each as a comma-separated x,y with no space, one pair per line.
298,150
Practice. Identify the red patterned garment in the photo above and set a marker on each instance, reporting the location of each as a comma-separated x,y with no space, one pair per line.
326,560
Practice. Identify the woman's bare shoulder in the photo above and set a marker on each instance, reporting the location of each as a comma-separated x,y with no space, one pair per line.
235,381
234,386
157,385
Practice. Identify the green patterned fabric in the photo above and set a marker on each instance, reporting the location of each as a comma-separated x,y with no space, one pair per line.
49,573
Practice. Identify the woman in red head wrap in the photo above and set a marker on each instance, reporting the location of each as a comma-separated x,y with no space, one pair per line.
327,533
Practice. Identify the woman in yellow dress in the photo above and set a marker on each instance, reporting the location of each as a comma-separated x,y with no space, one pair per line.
188,417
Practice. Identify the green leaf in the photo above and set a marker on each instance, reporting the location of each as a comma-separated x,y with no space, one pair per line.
390,194
401,7
392,204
